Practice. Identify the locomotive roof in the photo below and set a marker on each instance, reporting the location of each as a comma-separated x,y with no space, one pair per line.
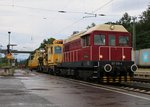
102,27
74,37
106,27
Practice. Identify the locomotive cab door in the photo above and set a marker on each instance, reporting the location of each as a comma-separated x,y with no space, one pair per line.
85,53
50,54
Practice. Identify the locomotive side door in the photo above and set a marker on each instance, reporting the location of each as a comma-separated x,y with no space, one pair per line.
50,54
85,53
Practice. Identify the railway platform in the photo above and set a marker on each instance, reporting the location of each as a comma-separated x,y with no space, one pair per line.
32,89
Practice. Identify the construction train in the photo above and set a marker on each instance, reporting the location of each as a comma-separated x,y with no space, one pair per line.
102,53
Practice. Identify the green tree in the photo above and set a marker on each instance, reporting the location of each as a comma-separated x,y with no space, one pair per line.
126,22
90,26
42,45
143,30
48,41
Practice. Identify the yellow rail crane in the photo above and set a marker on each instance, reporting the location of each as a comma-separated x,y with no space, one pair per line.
33,61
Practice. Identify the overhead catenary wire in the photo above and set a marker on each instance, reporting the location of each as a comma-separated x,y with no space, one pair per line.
93,13
97,9
75,22
41,9
63,11
33,8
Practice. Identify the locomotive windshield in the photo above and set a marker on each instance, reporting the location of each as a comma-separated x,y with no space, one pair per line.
99,39
57,50
123,40
112,40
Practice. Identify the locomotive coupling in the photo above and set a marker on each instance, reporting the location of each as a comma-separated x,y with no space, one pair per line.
133,67
107,67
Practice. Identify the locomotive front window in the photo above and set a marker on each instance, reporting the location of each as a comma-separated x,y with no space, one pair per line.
123,40
58,50
99,39
112,40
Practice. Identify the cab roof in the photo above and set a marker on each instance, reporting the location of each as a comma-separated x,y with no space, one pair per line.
106,27
74,37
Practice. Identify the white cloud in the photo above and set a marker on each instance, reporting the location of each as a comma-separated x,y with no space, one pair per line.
134,7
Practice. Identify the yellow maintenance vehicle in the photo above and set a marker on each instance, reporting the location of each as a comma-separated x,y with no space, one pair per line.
52,56
47,59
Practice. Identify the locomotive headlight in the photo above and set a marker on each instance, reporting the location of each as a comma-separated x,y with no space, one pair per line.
123,56
112,27
100,56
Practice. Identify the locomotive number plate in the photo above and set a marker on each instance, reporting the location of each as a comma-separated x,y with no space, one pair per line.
116,63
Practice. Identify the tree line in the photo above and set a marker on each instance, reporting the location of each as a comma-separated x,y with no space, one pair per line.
142,25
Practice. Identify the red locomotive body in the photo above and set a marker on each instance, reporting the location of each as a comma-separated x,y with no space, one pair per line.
102,52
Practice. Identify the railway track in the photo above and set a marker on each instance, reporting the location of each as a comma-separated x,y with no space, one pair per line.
133,86
140,83
141,80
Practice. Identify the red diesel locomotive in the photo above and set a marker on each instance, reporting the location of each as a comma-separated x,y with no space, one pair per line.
102,53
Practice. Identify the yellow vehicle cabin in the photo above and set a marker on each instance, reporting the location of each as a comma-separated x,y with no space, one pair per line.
54,52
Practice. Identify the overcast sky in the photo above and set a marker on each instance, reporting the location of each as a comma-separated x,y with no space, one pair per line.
31,21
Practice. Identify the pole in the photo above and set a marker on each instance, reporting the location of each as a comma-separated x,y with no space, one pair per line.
9,46
134,34
9,37
134,39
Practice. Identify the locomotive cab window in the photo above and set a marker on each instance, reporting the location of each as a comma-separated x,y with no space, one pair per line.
85,40
58,50
99,39
123,40
112,40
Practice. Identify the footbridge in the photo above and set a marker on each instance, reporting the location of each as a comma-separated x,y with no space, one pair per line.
15,51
